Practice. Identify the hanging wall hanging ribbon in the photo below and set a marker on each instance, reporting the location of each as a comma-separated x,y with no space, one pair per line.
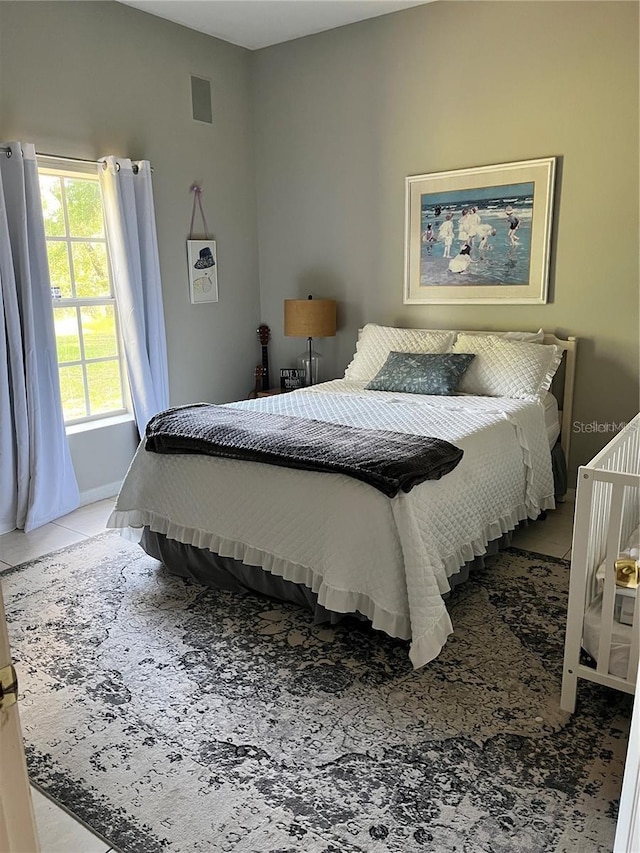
203,263
197,201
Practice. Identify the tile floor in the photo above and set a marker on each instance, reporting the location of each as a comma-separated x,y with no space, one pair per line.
58,831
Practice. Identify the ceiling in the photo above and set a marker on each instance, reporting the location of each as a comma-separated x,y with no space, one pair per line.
260,23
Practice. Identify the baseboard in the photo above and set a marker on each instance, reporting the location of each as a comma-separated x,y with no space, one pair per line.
100,493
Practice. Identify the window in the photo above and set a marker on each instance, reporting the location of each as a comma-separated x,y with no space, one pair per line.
84,306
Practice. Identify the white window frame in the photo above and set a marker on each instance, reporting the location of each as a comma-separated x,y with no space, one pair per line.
50,166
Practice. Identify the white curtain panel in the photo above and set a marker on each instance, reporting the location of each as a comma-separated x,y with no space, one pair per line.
37,481
133,250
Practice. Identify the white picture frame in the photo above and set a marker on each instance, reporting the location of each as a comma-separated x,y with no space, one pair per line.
202,259
479,235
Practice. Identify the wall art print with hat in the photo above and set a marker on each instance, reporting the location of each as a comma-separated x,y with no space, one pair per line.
203,270
202,259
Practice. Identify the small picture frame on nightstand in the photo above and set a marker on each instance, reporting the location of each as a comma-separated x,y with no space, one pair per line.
291,378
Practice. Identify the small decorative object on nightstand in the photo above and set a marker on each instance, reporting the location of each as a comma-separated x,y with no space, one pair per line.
291,378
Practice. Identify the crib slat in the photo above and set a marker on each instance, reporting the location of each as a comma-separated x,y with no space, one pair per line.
609,593
578,591
632,672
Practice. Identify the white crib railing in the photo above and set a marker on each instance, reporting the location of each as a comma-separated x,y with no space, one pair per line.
607,512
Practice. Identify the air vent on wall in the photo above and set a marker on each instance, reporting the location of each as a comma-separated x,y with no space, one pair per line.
201,100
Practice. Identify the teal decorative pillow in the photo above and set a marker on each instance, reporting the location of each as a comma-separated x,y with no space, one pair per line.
421,373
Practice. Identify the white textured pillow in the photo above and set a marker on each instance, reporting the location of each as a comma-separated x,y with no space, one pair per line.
528,337
503,368
376,342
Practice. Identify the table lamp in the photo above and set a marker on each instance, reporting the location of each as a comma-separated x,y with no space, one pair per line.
309,318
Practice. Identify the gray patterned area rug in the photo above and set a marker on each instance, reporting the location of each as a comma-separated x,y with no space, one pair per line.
171,718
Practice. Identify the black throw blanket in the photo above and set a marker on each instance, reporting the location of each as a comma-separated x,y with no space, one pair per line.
389,461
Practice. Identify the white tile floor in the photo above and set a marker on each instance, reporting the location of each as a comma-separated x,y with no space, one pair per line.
58,831
551,536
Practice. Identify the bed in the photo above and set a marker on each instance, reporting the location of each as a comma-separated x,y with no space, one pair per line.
338,545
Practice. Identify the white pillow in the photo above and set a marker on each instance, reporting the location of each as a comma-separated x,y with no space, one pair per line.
528,337
503,368
376,342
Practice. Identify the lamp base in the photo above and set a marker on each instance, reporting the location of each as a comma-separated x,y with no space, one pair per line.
309,363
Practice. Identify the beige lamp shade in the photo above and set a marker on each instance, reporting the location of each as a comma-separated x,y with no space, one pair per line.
309,318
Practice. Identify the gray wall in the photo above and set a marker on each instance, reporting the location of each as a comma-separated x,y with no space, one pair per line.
344,116
88,79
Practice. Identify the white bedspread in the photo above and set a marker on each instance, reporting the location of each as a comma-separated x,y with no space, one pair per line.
390,559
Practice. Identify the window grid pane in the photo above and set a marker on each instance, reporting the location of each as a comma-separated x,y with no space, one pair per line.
99,331
90,271
51,193
105,394
67,337
59,269
72,389
84,207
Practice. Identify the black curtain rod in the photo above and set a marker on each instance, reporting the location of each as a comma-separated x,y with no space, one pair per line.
58,157
66,159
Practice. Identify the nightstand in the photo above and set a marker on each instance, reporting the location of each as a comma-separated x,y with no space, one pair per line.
270,393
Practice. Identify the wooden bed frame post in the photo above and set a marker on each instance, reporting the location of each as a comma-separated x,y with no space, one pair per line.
565,402
567,396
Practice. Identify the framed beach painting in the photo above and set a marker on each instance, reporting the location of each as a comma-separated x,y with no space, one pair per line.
203,270
479,235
